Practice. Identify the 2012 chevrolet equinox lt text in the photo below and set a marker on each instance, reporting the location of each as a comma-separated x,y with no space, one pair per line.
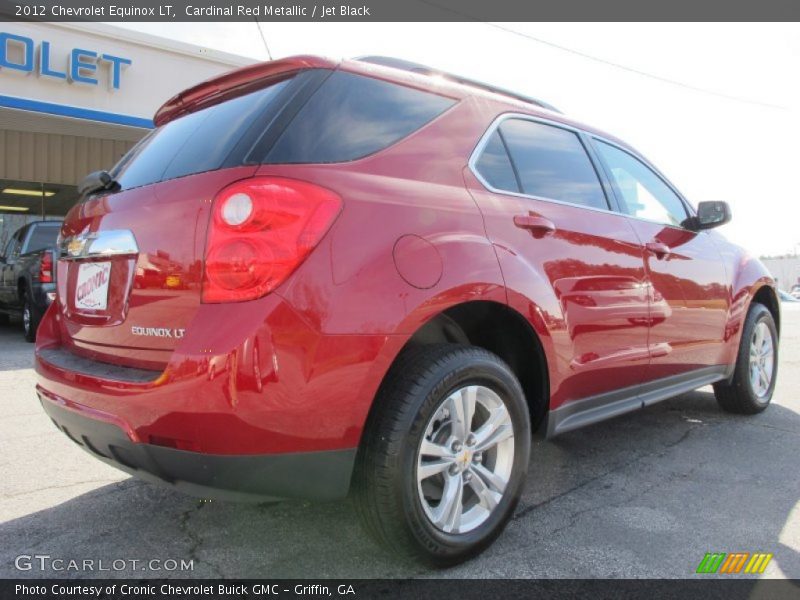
320,278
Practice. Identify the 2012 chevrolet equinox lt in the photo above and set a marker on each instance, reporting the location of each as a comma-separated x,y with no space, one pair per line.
316,278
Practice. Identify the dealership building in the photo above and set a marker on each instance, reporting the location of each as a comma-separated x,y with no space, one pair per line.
73,99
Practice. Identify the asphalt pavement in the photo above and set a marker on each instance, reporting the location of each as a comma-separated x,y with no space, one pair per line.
644,495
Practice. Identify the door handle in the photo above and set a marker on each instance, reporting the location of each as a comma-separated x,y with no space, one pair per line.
537,225
660,249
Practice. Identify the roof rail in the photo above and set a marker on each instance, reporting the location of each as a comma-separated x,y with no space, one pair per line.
405,65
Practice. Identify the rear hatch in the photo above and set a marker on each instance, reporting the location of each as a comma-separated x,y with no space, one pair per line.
132,283
131,259
179,227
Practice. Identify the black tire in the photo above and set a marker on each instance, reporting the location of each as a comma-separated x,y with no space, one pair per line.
30,318
4,319
738,395
385,479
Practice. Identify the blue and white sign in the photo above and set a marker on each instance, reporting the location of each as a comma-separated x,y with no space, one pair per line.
89,67
96,72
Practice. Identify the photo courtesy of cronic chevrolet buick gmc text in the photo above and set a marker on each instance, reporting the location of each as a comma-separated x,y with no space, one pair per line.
365,277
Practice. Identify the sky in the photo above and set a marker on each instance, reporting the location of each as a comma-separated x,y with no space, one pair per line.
724,127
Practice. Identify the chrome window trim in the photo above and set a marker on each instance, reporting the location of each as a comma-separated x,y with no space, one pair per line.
484,140
476,153
98,244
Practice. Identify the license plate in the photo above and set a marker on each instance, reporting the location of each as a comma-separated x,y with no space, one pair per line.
91,290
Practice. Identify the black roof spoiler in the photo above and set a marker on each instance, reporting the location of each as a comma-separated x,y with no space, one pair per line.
405,65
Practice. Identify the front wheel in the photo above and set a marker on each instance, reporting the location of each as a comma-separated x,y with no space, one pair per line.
445,454
750,390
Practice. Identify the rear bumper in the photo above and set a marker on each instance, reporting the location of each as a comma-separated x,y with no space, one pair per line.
323,475
256,380
252,402
43,295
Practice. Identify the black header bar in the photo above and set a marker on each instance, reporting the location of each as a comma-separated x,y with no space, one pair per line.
399,10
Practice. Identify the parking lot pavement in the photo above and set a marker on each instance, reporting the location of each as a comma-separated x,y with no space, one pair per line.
644,495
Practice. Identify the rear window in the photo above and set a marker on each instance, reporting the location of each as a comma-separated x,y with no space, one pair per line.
195,143
43,236
297,120
352,116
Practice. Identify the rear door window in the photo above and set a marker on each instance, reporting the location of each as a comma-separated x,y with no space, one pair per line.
495,166
552,163
351,116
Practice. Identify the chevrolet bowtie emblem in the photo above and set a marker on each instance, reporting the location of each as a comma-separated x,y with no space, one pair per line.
75,246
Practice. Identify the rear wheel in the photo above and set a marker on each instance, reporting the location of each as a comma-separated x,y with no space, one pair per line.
444,455
750,390
30,318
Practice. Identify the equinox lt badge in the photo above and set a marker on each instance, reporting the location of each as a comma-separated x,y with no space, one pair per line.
164,332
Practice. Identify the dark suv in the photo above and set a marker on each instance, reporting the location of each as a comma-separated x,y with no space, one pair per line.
27,278
317,278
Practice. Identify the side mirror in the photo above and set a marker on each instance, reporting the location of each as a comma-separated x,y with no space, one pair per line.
712,214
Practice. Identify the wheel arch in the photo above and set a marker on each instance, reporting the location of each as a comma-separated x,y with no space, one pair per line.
765,294
23,285
495,327
752,282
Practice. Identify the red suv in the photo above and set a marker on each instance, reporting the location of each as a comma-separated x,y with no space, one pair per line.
316,278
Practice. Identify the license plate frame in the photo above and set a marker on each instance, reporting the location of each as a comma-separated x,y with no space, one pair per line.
91,286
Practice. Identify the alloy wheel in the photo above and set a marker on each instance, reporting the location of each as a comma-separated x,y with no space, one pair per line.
762,359
465,459
26,318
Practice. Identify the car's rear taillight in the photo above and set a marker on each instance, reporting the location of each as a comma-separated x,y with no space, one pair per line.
46,268
261,230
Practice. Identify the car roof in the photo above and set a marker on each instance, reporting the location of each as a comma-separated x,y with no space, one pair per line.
47,222
405,65
407,73
245,79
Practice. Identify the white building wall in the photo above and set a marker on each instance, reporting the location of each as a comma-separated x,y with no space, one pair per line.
786,270
53,148
46,134
160,68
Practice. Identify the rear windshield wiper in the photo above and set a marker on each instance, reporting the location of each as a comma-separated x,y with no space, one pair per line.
98,181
